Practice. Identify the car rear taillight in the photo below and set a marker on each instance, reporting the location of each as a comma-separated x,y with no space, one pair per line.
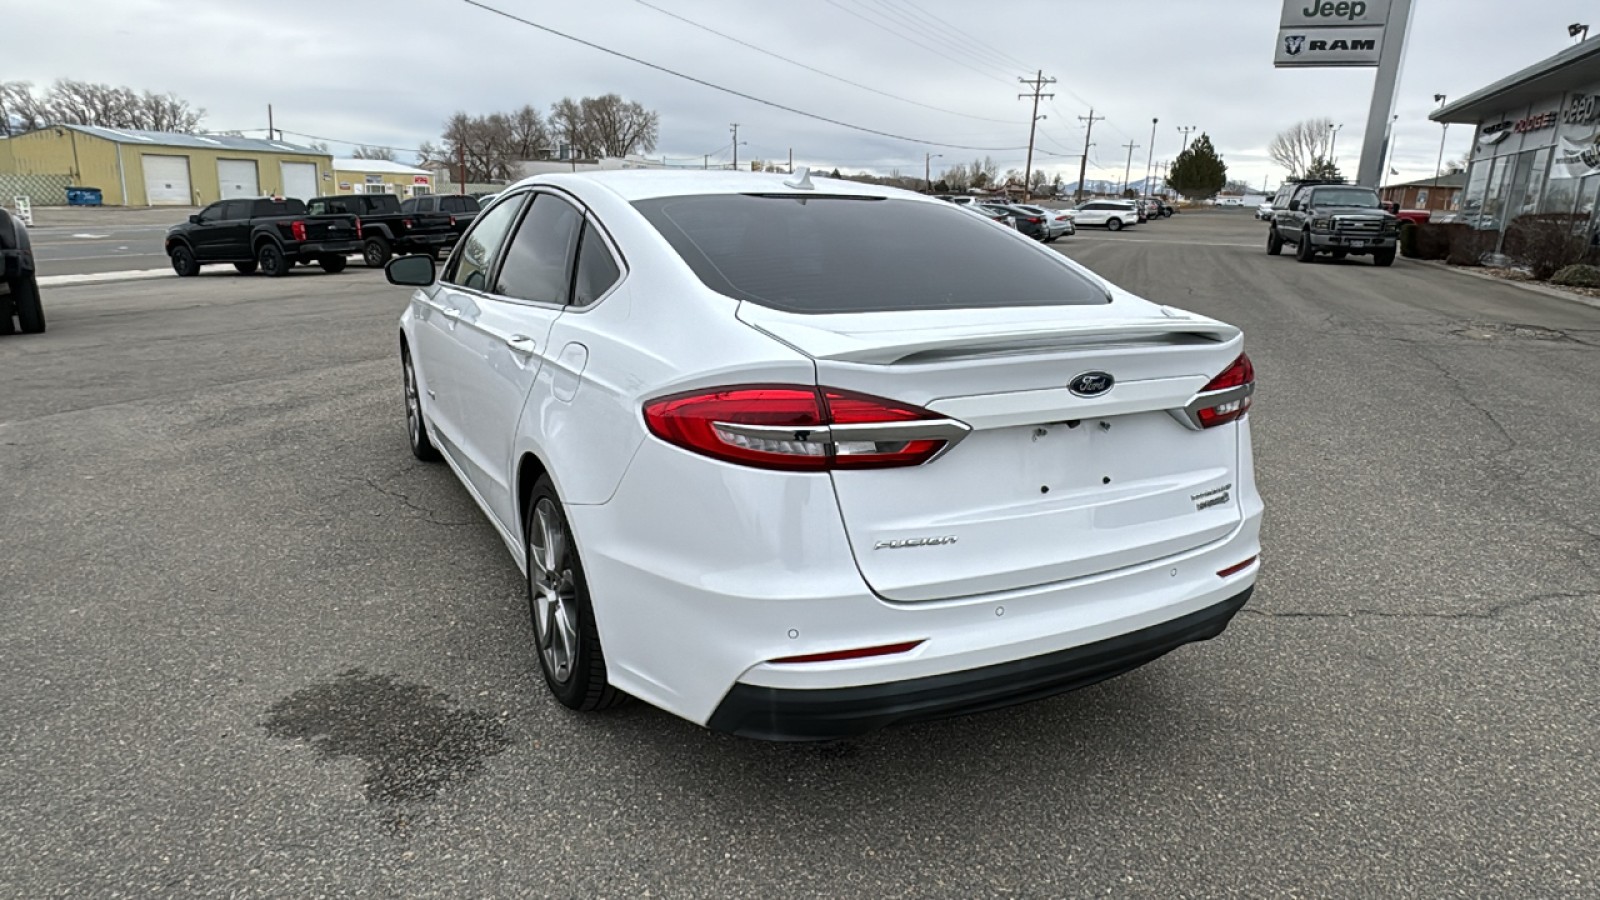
1035,219
1232,389
406,222
358,229
297,229
800,429
452,221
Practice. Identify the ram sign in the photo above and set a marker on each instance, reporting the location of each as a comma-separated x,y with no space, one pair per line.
1330,33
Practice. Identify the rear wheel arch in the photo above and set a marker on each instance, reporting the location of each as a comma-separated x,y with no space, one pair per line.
529,470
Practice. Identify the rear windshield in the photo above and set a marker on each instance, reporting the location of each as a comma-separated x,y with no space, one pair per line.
822,254
286,207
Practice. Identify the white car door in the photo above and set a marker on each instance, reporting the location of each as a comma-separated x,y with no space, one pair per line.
1090,214
507,342
445,366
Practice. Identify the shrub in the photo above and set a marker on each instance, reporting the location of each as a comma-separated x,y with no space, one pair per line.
1578,276
1468,245
1408,240
1546,243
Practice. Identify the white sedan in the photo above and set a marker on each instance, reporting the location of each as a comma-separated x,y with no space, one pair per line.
798,460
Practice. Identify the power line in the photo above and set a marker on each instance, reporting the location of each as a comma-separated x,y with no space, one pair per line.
808,68
908,39
726,90
913,25
964,35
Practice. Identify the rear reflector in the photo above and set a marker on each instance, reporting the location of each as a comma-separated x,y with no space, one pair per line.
858,653
1237,567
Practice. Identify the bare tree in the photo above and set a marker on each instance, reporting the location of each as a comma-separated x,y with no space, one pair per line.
365,152
321,147
70,102
566,120
483,143
616,127
958,177
21,110
1296,147
530,136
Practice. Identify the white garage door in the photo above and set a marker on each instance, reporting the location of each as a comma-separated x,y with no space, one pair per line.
238,178
166,180
299,180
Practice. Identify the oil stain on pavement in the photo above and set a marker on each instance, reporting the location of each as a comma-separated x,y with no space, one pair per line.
412,740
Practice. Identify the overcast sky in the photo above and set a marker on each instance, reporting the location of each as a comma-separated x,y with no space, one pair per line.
390,71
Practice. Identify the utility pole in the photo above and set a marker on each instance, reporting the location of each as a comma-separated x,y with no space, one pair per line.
1128,172
1083,166
1150,158
927,171
791,160
1037,82
461,159
270,132
735,146
1186,129
1333,140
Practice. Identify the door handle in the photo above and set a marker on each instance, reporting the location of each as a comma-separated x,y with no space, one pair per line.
521,343
450,312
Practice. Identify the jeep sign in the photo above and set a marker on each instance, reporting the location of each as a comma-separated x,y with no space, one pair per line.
1302,14
1299,47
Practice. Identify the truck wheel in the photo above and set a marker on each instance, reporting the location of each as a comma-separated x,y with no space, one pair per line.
1383,257
30,309
1114,224
1274,243
376,251
332,263
246,268
272,261
1303,251
183,261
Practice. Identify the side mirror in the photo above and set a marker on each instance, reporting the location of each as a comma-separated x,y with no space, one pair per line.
410,271
1294,205
194,219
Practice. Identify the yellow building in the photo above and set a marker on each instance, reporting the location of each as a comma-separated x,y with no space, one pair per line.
378,176
156,168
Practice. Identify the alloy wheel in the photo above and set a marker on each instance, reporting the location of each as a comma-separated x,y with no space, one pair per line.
554,589
413,405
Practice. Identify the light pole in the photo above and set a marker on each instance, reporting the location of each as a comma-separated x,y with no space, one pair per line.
1150,158
1333,141
1186,129
927,172
1444,132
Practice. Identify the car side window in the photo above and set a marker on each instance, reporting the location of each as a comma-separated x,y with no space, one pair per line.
597,268
470,267
234,210
538,265
212,213
317,208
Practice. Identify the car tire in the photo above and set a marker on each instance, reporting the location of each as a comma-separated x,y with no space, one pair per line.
375,251
332,263
1114,224
270,258
183,261
1304,251
30,309
565,636
416,424
1383,258
1274,243
246,268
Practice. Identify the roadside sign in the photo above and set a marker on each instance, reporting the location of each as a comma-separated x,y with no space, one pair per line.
1333,13
1336,46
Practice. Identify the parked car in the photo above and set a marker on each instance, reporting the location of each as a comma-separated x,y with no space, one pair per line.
1056,222
21,306
1264,211
462,208
272,234
991,212
385,229
1337,219
1113,214
758,477
1159,208
1029,223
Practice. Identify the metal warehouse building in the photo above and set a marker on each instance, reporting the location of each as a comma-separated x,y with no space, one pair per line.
156,168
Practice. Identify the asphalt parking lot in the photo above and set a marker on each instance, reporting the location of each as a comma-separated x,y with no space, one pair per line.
251,647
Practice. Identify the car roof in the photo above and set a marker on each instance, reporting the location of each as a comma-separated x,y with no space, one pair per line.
646,184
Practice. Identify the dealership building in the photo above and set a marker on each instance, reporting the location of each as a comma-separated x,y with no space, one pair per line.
1536,145
157,168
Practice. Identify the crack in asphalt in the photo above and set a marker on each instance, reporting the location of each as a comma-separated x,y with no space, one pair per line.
1466,397
1492,612
428,513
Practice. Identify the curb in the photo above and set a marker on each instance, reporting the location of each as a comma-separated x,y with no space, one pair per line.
1523,285
101,277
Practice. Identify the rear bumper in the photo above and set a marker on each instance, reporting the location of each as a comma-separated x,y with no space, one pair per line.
324,248
783,714
426,241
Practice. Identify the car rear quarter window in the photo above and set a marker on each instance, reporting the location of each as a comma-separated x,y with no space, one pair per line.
835,254
597,268
471,265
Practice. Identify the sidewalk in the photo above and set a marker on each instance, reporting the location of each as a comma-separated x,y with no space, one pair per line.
111,216
1535,287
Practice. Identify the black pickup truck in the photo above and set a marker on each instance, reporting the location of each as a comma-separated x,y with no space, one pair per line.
461,208
386,230
19,286
270,234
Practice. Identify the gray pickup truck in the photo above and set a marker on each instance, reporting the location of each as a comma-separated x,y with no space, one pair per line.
1336,219
20,304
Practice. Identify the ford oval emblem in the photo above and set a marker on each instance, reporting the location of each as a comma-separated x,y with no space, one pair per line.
1091,384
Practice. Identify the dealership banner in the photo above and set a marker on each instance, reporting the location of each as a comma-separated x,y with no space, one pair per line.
1577,153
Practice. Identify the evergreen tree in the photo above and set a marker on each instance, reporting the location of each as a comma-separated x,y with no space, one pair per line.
1323,169
1198,173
